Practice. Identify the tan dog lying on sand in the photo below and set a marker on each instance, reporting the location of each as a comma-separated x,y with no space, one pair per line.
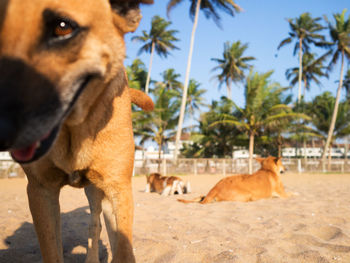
166,185
65,112
264,183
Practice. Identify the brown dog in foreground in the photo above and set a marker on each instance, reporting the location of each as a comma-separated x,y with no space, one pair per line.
264,183
65,112
166,185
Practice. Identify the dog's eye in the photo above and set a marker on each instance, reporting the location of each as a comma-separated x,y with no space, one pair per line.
59,29
63,29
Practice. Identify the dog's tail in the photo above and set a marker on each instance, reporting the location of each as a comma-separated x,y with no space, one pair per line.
141,99
196,200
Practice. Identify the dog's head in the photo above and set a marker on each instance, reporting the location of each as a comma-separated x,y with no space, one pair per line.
272,164
152,177
54,58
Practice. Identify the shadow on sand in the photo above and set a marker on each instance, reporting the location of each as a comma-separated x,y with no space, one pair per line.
24,247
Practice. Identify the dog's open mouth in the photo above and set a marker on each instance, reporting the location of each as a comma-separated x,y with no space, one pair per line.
36,149
41,146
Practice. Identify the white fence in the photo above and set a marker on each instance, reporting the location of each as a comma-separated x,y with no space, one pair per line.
234,166
8,168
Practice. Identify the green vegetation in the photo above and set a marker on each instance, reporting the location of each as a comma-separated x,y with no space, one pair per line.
159,39
269,118
210,9
304,30
232,64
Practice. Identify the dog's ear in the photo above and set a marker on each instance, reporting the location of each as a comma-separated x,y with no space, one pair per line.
127,14
277,159
259,159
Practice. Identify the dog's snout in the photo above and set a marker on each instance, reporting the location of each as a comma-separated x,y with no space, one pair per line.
7,131
26,97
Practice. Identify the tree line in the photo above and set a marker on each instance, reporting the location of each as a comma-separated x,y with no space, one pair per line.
269,117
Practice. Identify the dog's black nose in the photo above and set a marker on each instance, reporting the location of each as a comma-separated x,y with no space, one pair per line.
7,133
26,98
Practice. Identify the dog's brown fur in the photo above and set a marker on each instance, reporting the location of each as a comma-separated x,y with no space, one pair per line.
264,183
95,139
166,185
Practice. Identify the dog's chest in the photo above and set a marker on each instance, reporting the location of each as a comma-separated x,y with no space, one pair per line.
72,152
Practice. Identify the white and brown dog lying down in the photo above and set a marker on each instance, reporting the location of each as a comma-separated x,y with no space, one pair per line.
264,183
65,112
166,185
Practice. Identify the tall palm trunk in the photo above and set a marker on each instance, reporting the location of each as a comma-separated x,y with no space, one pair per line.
329,157
229,94
184,92
335,112
300,68
305,86
160,154
149,69
305,153
304,138
279,150
346,150
300,78
279,143
251,152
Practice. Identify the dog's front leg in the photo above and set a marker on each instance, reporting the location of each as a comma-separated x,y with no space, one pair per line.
148,188
45,209
95,197
123,210
119,220
281,192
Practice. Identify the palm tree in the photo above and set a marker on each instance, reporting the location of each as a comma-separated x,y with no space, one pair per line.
320,110
263,109
159,39
346,84
137,74
304,30
214,141
340,34
274,135
195,98
312,69
170,79
232,64
209,7
158,124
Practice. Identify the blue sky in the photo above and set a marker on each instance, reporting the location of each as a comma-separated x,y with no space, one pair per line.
262,25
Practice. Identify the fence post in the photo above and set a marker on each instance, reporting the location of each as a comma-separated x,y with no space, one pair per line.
195,166
342,167
224,167
164,167
299,166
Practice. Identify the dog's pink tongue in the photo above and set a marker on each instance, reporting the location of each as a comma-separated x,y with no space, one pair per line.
24,154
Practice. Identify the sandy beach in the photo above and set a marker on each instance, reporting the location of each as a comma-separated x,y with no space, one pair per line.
312,226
